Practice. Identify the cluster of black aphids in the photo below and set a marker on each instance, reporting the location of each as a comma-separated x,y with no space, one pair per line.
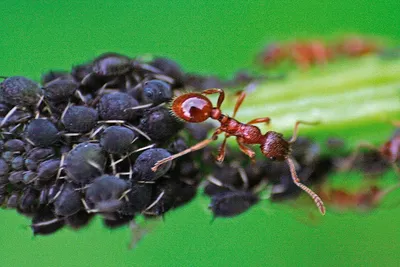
84,141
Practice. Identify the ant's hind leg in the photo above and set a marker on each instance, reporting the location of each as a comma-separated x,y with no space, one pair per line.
249,152
221,96
296,129
267,120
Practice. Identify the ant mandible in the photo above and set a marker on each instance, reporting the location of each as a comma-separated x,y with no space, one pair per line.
196,107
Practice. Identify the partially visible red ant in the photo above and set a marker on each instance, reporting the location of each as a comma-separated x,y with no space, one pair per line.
196,107
390,151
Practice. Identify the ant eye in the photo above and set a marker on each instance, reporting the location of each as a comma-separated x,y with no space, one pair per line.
272,158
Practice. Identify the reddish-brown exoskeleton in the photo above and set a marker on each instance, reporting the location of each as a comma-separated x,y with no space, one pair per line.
390,151
196,107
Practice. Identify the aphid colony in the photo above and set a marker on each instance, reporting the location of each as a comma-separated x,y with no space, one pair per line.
84,142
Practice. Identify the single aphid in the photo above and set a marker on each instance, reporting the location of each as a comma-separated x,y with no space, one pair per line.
41,133
60,90
68,202
196,107
4,168
29,177
159,124
170,68
79,119
79,219
48,169
146,160
117,106
18,90
55,75
17,164
16,177
105,194
232,203
15,145
12,201
117,140
28,201
156,92
44,222
84,163
138,198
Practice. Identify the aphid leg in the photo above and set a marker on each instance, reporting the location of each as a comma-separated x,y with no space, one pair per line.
196,147
221,96
9,114
267,120
311,193
379,196
349,162
248,151
296,129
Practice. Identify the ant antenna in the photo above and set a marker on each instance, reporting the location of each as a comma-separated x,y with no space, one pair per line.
311,193
296,129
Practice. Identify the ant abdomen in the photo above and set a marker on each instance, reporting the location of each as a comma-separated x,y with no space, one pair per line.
192,107
275,147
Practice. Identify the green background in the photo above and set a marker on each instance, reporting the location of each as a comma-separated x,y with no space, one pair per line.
208,37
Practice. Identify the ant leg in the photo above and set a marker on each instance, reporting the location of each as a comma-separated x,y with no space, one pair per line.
196,147
296,129
267,120
239,101
221,96
352,158
311,193
221,150
246,150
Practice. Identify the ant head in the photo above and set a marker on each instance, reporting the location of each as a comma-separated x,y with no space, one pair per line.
192,107
275,147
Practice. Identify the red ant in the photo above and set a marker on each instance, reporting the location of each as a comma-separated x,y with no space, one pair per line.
390,151
196,107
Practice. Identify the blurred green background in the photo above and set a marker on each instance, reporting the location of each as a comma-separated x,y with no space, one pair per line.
208,37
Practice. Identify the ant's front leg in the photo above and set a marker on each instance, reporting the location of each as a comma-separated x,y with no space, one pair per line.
221,96
249,152
196,147
221,150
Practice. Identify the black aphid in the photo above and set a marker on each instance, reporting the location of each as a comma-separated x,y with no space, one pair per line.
85,162
68,202
112,64
41,133
28,202
48,169
79,119
55,75
16,177
230,204
44,222
146,160
18,90
115,106
156,92
17,163
104,194
29,177
117,139
169,68
12,201
60,90
159,124
79,219
4,168
14,145
138,198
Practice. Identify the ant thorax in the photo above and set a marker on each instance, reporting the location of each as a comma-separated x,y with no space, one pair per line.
275,147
